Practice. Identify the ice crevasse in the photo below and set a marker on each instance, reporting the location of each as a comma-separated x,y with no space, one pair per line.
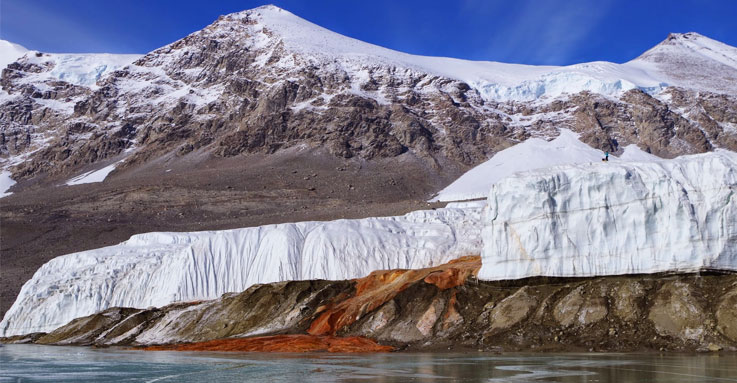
610,219
155,269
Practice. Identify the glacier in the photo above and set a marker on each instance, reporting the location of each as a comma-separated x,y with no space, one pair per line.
613,218
574,220
78,68
156,269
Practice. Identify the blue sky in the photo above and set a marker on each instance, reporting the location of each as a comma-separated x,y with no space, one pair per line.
520,31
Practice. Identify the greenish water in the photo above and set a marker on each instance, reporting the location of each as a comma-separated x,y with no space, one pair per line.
31,363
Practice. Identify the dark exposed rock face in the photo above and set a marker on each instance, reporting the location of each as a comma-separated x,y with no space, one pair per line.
442,307
273,308
727,314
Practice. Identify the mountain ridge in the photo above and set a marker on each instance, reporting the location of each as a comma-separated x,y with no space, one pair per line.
276,45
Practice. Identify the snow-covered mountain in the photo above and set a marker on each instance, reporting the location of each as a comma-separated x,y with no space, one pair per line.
263,80
691,60
493,80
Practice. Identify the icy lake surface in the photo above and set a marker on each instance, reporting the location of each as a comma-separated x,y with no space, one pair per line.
31,363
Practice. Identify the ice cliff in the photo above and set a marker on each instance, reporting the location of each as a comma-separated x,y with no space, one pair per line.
613,218
156,269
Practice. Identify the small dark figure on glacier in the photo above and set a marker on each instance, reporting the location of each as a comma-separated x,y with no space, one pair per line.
606,156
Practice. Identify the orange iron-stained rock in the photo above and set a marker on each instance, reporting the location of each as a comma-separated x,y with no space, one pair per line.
380,287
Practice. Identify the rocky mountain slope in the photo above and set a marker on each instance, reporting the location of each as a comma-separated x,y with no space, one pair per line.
444,307
264,80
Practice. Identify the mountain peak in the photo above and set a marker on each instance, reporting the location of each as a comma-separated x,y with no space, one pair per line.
300,35
693,60
691,40
679,46
271,7
268,10
684,36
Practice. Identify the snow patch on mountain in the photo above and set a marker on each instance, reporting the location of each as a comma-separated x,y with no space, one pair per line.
613,218
9,52
6,182
92,176
87,69
156,269
633,153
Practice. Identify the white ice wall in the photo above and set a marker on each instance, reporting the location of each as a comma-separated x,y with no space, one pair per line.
156,269
613,218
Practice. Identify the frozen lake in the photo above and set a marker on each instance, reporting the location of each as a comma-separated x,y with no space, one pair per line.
32,363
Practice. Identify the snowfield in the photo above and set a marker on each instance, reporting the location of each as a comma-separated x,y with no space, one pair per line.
6,182
613,218
534,153
156,269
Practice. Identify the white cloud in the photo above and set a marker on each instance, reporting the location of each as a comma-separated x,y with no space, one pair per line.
546,32
41,29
